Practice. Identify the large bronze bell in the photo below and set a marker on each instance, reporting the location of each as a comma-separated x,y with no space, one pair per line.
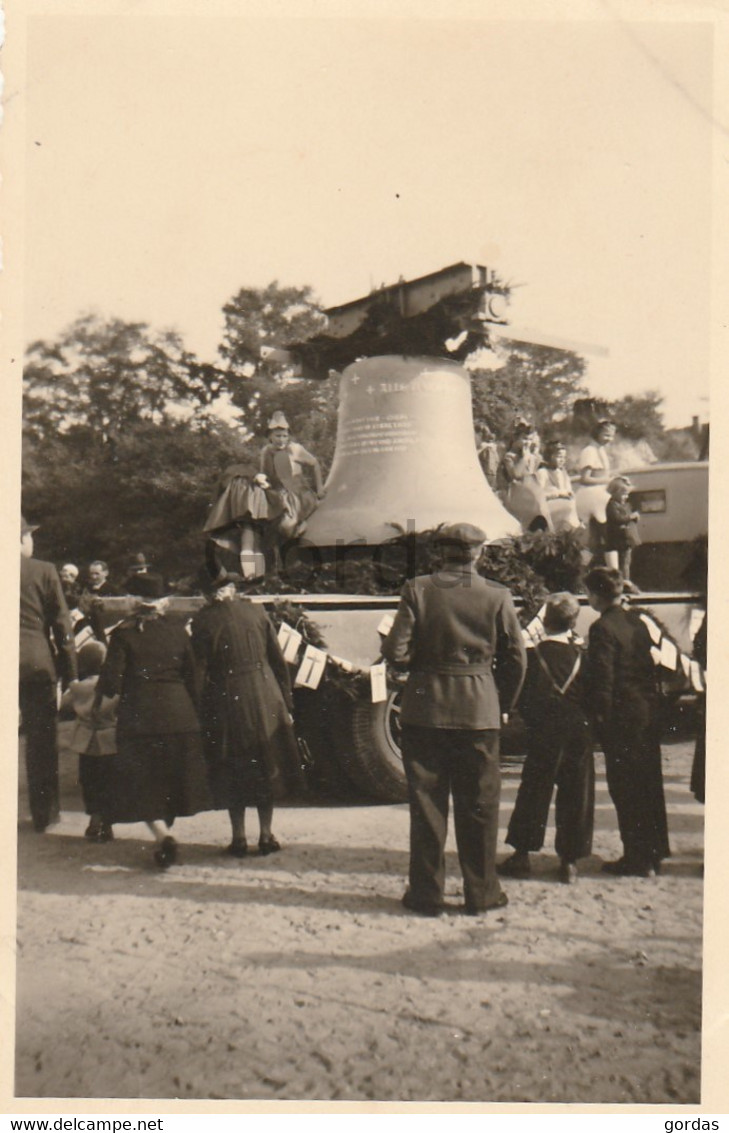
405,456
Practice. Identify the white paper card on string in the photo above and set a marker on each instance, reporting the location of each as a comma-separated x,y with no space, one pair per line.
669,655
656,655
697,678
311,669
653,629
695,620
686,665
289,639
378,682
343,663
385,625
535,631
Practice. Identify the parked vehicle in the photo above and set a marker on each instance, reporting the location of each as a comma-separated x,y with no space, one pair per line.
673,503
350,737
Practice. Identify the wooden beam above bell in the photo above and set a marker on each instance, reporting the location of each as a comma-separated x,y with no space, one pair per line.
411,317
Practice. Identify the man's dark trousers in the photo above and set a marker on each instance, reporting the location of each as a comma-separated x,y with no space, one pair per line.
464,763
37,695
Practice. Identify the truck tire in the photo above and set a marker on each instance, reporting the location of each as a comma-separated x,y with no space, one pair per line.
371,748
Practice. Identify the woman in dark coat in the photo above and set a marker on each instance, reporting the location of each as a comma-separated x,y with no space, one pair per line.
246,707
624,699
160,767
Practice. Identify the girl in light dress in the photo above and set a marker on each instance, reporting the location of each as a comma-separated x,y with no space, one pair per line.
556,485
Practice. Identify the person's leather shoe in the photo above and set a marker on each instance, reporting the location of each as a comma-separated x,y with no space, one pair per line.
166,853
238,848
268,846
414,906
517,866
623,867
501,902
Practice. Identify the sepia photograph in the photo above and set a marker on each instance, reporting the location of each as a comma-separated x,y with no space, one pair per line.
358,418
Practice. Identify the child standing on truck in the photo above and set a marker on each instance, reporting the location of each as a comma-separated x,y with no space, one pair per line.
621,528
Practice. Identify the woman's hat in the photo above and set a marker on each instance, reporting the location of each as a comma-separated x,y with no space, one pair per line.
210,583
149,586
278,421
138,563
27,528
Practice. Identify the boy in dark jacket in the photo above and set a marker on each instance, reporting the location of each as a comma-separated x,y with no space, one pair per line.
559,749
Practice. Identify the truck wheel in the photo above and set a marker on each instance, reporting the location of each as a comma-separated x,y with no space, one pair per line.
373,758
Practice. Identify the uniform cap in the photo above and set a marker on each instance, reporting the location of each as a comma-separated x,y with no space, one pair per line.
463,534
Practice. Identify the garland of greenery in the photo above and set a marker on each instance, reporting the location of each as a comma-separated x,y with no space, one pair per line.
531,566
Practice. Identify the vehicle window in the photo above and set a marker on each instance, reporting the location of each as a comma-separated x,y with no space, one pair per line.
649,502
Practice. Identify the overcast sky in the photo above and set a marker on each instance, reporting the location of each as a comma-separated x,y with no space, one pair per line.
172,161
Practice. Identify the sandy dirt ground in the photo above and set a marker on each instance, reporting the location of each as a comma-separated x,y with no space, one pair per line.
300,976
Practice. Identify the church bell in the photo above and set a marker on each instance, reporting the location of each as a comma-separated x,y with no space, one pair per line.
405,456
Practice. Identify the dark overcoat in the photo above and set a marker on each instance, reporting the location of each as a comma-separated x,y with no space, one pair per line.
246,705
159,768
625,701
151,666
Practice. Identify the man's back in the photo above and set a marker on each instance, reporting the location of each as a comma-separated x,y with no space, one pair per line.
43,615
452,630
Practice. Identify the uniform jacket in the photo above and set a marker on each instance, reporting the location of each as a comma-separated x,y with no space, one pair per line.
458,635
150,665
623,686
44,619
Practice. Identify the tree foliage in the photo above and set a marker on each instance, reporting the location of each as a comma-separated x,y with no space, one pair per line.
540,383
149,492
269,316
106,375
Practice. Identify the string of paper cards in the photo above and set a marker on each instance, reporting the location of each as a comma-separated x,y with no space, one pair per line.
313,660
664,650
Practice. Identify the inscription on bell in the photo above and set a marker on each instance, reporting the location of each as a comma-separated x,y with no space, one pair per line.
405,455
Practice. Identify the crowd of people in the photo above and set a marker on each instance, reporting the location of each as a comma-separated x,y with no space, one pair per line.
168,719
171,720
534,485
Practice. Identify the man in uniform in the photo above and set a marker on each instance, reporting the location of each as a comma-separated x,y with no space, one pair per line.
458,636
44,620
